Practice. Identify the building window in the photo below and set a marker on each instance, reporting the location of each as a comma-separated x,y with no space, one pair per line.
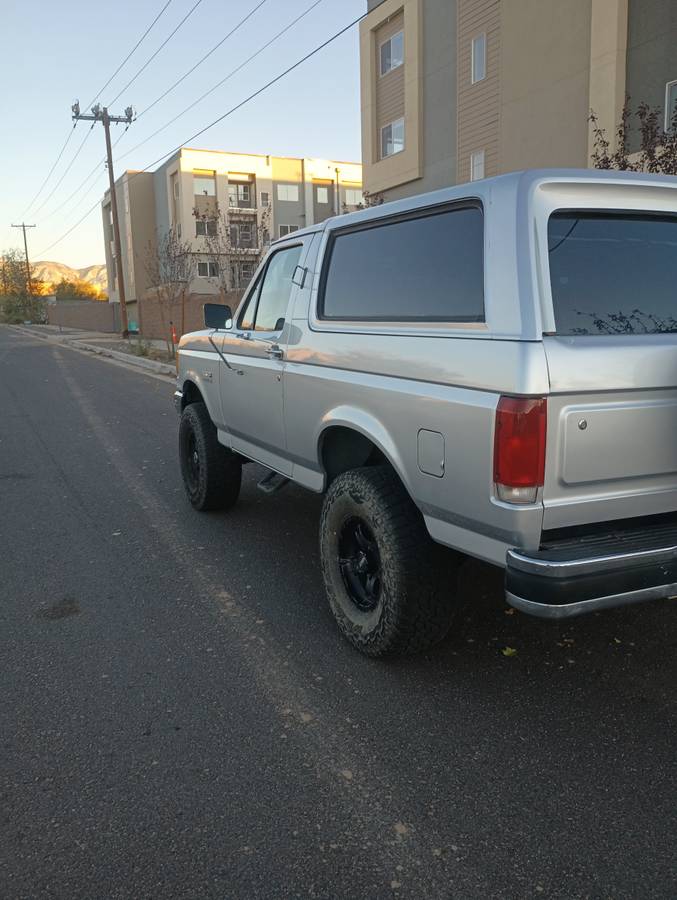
205,228
392,53
242,274
287,229
207,269
204,185
479,58
178,230
670,105
477,165
288,192
353,197
265,198
239,195
322,194
392,138
241,235
175,182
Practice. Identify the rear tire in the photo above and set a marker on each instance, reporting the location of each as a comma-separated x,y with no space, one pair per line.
211,473
382,571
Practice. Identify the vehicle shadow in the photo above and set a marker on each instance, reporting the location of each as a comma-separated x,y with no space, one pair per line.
633,644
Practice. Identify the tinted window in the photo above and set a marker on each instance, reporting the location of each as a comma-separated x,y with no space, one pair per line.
422,268
276,288
613,273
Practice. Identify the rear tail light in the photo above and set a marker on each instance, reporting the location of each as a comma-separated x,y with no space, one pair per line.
519,448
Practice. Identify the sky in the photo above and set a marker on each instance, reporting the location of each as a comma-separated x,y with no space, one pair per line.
57,52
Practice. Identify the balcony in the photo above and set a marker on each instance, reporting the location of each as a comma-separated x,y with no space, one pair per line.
249,207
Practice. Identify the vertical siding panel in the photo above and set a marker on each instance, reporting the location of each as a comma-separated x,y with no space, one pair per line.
478,104
389,87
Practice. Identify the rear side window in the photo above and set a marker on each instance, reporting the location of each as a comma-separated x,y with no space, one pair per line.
425,267
613,273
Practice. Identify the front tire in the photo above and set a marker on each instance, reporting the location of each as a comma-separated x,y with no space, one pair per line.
382,571
211,473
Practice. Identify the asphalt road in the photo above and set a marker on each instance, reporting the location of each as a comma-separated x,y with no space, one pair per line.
180,718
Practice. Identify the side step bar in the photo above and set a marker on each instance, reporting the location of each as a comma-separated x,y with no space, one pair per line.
272,482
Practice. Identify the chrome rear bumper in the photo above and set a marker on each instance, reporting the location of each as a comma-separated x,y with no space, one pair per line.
554,587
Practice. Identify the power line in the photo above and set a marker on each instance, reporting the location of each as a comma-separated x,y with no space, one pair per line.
259,91
223,80
219,119
200,61
87,178
211,90
65,172
47,176
152,57
70,133
131,52
72,228
89,211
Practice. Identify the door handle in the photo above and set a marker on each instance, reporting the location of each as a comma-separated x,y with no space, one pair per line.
275,351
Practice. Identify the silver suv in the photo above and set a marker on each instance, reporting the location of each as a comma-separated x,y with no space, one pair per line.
491,367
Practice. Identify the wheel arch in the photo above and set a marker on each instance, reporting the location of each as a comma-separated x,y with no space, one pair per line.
349,438
191,394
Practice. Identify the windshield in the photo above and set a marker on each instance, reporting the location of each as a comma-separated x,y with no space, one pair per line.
613,273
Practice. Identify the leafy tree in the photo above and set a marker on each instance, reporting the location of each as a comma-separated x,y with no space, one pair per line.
658,148
77,290
17,304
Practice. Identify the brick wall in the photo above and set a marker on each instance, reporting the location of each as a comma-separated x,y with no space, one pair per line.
90,315
154,322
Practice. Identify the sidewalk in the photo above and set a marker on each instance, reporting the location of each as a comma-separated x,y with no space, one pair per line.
149,355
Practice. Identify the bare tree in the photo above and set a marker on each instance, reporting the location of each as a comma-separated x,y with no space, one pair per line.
368,200
657,151
169,266
234,242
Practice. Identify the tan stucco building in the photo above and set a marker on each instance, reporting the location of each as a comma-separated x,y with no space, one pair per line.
454,90
282,194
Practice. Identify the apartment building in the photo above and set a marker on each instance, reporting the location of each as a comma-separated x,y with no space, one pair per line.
260,197
456,90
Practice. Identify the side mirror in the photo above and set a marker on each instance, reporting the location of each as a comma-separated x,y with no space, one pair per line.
218,316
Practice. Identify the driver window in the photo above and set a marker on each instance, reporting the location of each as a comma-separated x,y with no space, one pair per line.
276,289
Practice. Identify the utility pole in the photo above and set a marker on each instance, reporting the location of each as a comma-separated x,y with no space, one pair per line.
29,283
101,115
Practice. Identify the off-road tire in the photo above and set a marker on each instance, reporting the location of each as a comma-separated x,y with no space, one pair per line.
211,473
415,606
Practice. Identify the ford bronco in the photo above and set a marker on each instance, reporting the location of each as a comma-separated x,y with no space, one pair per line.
491,367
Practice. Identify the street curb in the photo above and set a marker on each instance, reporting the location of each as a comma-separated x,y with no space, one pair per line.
150,365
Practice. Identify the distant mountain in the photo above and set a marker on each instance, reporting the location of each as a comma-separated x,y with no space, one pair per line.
54,272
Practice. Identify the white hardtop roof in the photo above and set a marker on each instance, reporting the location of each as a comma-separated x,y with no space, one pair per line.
521,183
